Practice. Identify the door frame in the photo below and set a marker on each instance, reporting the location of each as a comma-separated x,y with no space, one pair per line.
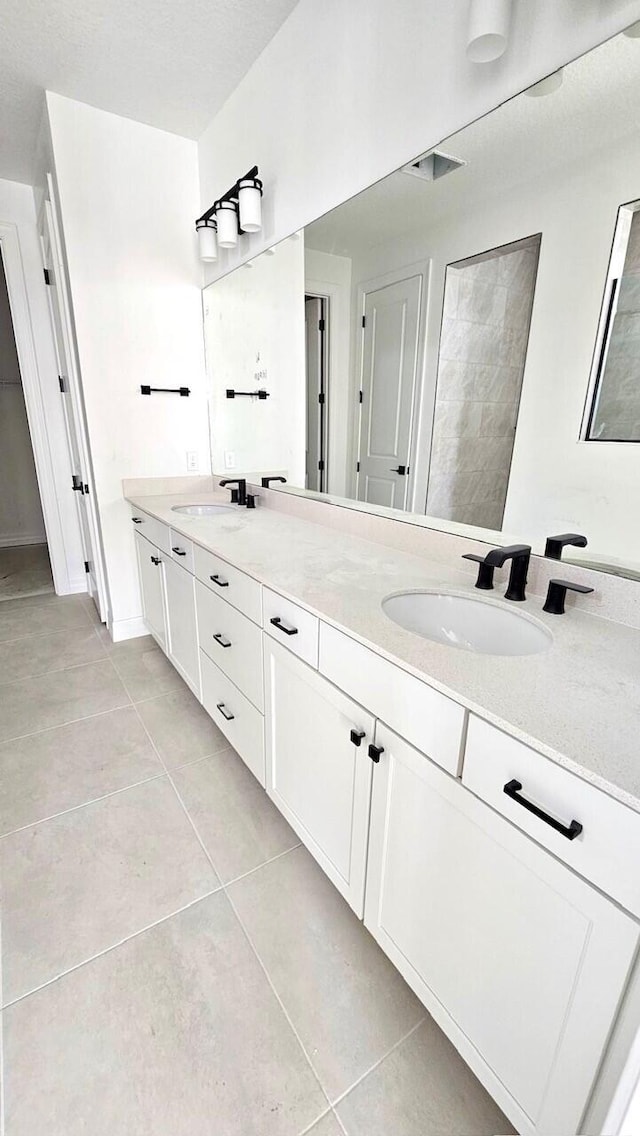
421,268
324,383
41,441
49,213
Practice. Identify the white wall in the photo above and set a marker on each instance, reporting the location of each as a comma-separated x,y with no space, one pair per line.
17,209
244,316
128,195
329,275
349,90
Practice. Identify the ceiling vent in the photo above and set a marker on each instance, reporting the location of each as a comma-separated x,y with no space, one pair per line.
433,165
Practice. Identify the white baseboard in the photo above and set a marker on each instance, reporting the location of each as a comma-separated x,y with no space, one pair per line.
17,540
121,629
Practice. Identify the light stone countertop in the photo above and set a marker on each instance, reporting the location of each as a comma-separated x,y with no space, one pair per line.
578,703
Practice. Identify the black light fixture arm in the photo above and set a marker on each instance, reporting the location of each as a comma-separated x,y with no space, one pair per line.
230,195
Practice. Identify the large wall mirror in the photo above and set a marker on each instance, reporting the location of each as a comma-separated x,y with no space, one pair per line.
460,343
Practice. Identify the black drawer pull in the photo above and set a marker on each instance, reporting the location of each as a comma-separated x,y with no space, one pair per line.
356,736
221,640
219,581
156,560
225,713
375,751
179,551
137,520
512,788
277,622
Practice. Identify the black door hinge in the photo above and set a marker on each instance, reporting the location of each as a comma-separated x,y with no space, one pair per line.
364,321
76,483
86,489
357,467
359,396
321,325
87,566
321,398
321,466
48,276
61,384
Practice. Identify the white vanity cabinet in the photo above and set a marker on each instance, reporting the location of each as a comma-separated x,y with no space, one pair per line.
318,769
182,632
151,572
521,962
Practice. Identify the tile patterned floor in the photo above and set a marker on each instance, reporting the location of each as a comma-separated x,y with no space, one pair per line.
173,961
25,571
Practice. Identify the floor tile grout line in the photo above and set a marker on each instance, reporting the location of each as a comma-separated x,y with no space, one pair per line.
377,1063
308,1131
271,860
280,1003
50,631
84,804
111,947
62,725
52,670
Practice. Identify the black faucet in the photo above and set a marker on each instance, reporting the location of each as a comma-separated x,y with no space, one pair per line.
239,495
519,555
267,480
555,544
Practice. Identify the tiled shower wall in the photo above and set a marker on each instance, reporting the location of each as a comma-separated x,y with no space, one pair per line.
485,327
618,413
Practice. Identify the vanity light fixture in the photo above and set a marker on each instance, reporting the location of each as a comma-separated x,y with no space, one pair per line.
488,30
633,32
433,165
236,212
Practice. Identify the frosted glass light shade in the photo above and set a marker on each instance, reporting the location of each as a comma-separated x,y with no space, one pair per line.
207,240
546,86
250,204
488,32
227,219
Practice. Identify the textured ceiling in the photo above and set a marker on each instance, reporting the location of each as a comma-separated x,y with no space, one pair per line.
169,63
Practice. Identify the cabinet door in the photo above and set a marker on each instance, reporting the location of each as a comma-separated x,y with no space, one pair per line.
318,768
519,961
182,633
151,572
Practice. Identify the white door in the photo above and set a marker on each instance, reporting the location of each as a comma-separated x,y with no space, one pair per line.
82,486
182,632
389,372
315,308
318,769
151,574
529,961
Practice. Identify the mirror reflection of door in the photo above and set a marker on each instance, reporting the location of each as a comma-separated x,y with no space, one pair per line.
317,330
389,370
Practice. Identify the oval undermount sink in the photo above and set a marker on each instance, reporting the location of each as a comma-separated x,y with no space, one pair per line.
467,623
201,510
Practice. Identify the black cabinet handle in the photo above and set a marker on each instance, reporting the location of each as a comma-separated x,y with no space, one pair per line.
277,622
137,520
179,551
156,560
219,581
512,788
225,713
356,736
375,751
221,640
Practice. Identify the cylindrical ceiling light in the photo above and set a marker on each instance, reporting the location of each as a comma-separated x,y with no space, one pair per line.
207,240
250,203
227,218
633,32
546,86
488,31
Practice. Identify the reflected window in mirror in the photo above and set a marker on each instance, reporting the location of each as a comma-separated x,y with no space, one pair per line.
614,413
483,343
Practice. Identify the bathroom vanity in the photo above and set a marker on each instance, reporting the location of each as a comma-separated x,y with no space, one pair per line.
390,754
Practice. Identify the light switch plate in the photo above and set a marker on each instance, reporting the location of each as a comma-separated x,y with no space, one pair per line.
192,461
229,459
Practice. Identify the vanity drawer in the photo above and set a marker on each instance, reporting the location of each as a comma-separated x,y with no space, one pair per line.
154,530
292,626
232,641
230,583
238,719
433,723
181,550
606,851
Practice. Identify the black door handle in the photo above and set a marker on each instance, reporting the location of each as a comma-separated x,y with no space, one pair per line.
277,622
512,788
356,736
179,551
221,640
401,469
156,560
225,713
219,581
137,520
375,751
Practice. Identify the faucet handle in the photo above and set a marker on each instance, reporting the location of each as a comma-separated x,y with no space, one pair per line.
485,571
557,593
555,544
